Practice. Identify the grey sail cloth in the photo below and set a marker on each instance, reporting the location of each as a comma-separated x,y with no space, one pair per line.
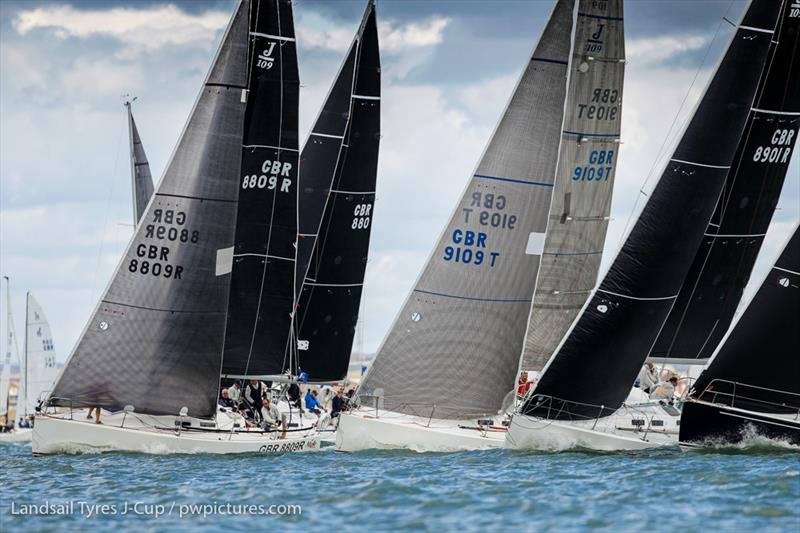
155,339
584,181
453,350
141,179
594,368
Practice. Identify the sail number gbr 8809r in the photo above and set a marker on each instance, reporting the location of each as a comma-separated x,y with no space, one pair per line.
152,259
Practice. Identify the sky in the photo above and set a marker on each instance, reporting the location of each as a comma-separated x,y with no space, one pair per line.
448,69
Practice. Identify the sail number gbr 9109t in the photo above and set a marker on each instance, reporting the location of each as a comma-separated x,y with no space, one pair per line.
165,225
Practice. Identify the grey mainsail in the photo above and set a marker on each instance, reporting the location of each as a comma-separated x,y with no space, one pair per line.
155,339
141,179
464,321
584,182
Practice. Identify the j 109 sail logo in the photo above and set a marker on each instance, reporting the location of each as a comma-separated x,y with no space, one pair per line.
265,59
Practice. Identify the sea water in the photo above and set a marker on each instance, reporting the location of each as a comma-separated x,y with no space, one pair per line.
746,488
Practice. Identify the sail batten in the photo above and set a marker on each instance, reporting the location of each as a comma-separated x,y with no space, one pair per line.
465,318
596,363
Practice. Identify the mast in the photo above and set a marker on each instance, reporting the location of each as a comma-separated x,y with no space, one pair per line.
258,335
757,361
155,339
340,157
722,266
465,318
141,178
581,203
591,372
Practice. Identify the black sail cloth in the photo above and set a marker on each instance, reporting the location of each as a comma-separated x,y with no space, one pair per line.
759,360
332,284
593,370
257,337
723,264
155,339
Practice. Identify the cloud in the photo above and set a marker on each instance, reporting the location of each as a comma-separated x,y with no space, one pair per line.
316,32
141,29
655,50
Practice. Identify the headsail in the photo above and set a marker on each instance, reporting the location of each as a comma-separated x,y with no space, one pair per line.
579,213
593,369
720,271
342,149
759,355
257,336
155,339
11,343
141,179
464,321
40,369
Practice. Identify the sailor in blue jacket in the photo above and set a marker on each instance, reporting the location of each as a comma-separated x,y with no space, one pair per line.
311,402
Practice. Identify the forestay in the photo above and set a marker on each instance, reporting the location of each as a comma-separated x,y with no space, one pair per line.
722,266
331,292
579,212
758,360
454,349
155,339
141,179
257,337
40,369
593,369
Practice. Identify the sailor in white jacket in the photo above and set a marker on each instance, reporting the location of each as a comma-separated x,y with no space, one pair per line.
648,378
270,414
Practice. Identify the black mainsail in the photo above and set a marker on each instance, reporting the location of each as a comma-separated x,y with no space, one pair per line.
760,352
141,179
592,371
723,264
340,165
155,339
465,319
257,336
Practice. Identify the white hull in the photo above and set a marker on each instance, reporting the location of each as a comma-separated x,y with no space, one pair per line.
614,433
360,430
53,435
16,436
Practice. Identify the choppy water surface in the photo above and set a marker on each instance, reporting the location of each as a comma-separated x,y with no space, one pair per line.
757,488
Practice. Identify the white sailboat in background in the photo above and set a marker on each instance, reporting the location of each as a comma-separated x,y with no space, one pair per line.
538,202
11,432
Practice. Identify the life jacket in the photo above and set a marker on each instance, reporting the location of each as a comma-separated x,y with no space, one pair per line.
523,387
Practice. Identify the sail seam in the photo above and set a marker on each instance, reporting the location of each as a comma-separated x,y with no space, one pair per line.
786,270
314,284
351,192
201,198
470,297
733,235
512,180
227,85
601,17
547,60
268,146
270,36
771,112
723,167
638,297
573,253
146,308
268,256
582,134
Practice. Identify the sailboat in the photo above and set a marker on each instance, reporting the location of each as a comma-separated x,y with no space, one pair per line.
12,433
582,398
141,178
208,273
750,387
537,202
